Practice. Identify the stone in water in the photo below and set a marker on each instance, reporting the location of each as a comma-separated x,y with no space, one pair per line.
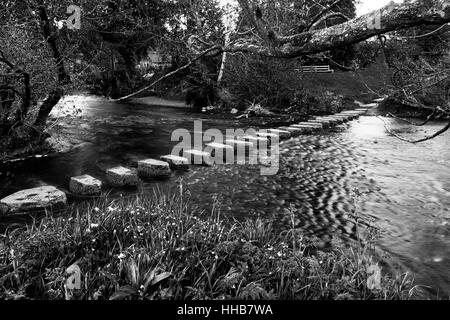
176,162
151,168
33,199
85,185
122,177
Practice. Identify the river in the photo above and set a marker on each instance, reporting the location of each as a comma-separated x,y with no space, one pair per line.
401,189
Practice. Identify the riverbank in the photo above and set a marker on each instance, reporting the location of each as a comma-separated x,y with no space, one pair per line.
156,247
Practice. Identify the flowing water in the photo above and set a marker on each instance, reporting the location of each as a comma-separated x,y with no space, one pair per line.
400,188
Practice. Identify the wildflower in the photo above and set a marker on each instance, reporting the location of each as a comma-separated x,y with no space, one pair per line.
121,256
96,209
94,225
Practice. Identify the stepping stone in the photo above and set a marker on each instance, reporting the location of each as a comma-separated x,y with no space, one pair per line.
220,147
198,157
344,117
239,143
354,112
314,125
176,162
308,128
151,168
267,135
333,121
325,123
283,134
122,177
256,140
85,185
46,197
296,131
369,106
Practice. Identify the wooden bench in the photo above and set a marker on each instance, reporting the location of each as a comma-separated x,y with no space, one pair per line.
315,69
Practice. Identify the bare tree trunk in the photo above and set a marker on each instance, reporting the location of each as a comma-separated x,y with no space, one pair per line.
224,60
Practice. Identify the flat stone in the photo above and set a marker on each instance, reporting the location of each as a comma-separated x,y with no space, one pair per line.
354,112
215,148
151,168
334,120
309,124
283,134
257,141
198,157
325,123
46,197
122,177
85,185
220,146
176,162
296,131
239,143
267,135
344,117
307,128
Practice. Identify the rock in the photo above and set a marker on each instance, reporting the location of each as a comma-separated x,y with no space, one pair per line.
122,177
176,162
295,131
85,186
283,134
151,168
239,144
314,125
326,123
198,157
45,197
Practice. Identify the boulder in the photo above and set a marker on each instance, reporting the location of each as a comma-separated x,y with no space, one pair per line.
151,168
122,177
283,134
176,162
85,186
46,197
198,157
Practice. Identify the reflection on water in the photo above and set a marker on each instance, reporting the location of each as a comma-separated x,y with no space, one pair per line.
404,188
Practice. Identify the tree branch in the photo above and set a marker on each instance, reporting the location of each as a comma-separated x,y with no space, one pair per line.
396,17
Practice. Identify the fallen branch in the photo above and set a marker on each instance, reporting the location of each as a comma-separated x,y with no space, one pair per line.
440,132
429,118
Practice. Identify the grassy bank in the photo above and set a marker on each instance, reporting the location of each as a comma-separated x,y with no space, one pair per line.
154,247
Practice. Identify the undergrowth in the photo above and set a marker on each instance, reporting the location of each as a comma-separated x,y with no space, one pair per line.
155,247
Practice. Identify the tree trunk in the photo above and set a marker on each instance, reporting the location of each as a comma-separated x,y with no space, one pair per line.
392,17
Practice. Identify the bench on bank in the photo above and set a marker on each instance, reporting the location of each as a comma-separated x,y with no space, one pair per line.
315,69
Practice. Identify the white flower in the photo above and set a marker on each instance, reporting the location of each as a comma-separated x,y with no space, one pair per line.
121,256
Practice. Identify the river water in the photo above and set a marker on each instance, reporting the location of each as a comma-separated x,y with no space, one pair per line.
401,189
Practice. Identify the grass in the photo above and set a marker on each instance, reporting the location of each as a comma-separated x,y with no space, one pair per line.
155,247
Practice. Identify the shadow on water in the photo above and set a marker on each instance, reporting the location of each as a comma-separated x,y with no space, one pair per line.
403,189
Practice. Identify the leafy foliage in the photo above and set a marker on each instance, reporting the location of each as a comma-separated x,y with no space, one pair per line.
154,247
